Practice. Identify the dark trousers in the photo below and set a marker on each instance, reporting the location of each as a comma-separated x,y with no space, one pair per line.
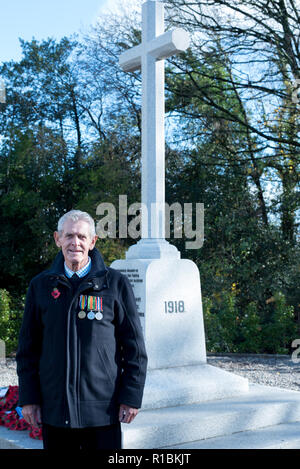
57,438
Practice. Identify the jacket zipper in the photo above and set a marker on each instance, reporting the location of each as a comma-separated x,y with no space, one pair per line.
78,379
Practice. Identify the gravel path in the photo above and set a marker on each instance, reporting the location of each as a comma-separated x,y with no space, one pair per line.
268,370
8,374
281,372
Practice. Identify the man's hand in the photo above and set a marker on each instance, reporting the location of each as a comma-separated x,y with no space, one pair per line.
32,414
127,414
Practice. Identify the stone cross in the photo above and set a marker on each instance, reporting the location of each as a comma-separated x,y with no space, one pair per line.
149,56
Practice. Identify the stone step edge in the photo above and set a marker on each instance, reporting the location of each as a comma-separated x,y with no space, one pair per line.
284,436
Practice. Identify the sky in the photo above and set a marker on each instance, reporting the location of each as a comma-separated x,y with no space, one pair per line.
42,19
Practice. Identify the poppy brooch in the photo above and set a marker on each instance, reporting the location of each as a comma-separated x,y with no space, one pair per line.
55,293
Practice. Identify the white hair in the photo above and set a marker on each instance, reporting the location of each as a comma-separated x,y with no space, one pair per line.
76,215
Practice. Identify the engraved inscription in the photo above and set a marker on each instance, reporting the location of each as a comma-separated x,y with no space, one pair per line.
174,306
136,282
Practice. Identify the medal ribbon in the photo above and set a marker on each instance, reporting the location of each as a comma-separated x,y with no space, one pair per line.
93,303
82,301
99,304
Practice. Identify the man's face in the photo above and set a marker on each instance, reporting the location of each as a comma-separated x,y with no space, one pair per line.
75,242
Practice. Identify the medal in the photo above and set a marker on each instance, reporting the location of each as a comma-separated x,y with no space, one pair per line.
82,314
91,305
98,316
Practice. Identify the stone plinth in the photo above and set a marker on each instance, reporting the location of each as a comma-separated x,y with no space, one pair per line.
168,297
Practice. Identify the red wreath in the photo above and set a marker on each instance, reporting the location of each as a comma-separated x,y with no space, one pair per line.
9,417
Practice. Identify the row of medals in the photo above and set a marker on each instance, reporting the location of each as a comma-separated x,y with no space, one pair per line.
96,314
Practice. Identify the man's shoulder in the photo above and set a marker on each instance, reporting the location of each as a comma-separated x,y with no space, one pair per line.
118,278
116,274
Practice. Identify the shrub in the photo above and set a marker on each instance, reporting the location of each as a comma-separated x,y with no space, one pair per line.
251,336
280,329
221,322
4,315
229,329
11,310
213,329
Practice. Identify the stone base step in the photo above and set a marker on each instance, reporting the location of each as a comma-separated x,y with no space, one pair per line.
282,436
261,407
11,439
185,385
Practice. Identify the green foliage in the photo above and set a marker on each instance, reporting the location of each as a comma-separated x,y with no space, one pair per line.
231,329
221,322
280,329
10,319
4,313
251,331
111,250
245,244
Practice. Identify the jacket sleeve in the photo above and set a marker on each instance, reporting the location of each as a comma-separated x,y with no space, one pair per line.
133,349
28,352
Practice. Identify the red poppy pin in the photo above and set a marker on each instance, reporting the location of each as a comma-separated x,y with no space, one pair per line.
55,293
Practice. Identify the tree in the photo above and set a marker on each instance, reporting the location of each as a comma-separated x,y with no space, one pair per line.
257,43
47,167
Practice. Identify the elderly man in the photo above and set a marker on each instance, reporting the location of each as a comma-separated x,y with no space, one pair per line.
81,358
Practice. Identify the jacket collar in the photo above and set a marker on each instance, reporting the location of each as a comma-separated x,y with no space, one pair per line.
98,266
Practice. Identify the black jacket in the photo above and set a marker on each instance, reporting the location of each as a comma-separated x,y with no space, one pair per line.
80,370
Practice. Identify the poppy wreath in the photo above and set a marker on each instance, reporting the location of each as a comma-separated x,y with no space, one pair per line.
9,401
10,418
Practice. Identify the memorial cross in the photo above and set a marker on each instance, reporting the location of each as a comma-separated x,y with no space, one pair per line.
156,46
